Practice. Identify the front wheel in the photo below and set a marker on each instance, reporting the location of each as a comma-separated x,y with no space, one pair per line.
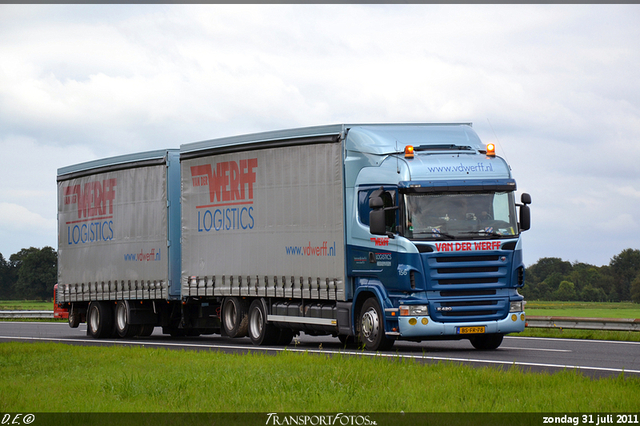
371,327
487,342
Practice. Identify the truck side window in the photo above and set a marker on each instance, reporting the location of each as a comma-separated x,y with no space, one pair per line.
363,201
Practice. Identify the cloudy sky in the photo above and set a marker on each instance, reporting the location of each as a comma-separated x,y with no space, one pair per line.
557,87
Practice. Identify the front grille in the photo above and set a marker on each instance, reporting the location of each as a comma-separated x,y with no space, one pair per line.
467,259
456,278
490,280
467,293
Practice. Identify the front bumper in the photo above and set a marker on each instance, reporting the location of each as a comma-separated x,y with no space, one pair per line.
424,326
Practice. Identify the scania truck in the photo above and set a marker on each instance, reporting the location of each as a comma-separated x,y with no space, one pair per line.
369,232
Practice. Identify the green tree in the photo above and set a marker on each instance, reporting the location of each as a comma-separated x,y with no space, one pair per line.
566,291
592,294
6,278
635,289
624,268
545,267
36,272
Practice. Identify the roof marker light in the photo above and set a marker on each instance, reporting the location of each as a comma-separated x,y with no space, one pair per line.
408,151
491,150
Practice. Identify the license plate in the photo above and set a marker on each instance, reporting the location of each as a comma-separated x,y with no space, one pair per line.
470,330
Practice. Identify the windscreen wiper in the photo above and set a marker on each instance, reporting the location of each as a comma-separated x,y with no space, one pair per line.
485,232
436,234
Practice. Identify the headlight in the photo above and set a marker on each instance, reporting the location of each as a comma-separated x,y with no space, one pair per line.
414,310
517,306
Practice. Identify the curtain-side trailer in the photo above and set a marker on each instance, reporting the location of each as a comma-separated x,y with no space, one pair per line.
376,232
119,244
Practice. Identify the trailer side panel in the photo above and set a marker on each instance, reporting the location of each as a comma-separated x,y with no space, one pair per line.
113,234
264,222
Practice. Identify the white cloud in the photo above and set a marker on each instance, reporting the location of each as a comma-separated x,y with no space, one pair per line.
16,217
557,83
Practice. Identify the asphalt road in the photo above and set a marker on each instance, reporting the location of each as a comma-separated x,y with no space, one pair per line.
593,358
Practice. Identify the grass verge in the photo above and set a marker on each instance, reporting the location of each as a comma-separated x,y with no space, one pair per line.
567,333
51,377
583,309
25,305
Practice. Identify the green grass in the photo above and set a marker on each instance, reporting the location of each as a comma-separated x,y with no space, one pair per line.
51,377
566,333
583,309
25,305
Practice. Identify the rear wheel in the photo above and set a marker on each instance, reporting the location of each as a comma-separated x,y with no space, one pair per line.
74,317
146,330
260,331
100,320
486,342
285,337
371,327
123,326
234,317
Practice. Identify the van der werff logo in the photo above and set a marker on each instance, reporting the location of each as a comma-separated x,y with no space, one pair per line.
320,419
230,187
94,205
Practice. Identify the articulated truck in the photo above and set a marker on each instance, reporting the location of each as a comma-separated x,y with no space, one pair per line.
371,233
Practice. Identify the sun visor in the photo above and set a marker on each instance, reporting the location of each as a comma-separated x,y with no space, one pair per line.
497,185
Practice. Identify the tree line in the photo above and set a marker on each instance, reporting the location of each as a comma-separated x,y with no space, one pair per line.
31,274
552,278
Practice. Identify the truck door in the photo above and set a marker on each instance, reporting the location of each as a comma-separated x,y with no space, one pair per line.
375,255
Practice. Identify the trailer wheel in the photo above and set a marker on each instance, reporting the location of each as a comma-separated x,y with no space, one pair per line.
487,342
260,331
285,337
146,330
74,317
123,326
100,320
235,319
371,327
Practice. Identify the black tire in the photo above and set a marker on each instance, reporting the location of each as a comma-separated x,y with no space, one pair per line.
121,319
487,342
285,337
100,320
347,340
146,330
235,318
261,332
371,327
74,317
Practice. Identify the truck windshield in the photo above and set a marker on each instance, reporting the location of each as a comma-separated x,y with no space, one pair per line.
468,215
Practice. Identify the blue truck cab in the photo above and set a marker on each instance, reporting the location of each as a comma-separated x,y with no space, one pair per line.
433,236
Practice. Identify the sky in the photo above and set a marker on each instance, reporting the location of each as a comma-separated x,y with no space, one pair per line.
556,87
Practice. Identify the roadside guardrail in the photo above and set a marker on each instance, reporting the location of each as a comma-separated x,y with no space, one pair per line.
613,324
26,314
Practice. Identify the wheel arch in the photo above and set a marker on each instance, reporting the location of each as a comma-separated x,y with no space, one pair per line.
366,289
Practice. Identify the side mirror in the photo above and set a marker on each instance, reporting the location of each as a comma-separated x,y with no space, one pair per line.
375,202
377,225
525,212
382,214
